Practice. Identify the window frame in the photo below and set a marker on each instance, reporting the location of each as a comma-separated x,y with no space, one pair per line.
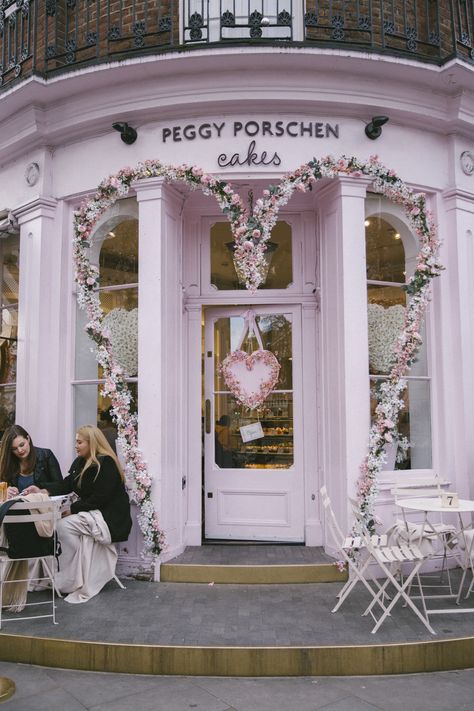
123,210
382,207
295,287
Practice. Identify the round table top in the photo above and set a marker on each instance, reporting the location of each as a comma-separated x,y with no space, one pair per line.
434,504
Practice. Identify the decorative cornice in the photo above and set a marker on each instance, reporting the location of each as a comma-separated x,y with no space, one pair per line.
40,206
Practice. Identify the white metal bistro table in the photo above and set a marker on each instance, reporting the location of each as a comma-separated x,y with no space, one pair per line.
435,505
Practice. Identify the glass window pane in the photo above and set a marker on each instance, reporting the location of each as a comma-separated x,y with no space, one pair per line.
9,322
118,259
8,350
7,407
91,408
386,313
279,258
272,451
121,318
10,258
384,251
414,424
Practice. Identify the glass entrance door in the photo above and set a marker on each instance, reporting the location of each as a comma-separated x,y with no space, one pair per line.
253,488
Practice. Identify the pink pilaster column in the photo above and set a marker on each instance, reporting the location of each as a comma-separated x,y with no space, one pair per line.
345,417
39,334
453,408
160,356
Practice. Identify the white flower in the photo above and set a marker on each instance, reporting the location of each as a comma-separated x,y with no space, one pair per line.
123,328
385,325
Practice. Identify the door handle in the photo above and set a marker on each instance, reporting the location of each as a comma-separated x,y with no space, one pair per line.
208,416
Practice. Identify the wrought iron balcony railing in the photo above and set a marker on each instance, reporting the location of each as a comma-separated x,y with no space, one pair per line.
48,36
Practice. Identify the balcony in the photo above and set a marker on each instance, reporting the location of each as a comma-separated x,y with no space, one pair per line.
45,37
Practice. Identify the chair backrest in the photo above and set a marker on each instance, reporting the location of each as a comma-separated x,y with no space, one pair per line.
23,538
409,486
331,520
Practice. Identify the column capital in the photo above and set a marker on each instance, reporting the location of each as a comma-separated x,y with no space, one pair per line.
346,186
40,206
457,199
148,188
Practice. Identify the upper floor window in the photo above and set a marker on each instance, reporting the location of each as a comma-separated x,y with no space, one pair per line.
390,253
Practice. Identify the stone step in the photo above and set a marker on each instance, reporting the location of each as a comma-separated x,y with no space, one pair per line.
251,574
251,564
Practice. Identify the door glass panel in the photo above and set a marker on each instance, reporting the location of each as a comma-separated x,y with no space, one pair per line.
278,257
275,449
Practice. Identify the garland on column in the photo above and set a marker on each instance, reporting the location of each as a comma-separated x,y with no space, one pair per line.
251,233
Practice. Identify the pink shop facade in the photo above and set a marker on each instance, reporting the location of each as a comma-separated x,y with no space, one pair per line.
330,307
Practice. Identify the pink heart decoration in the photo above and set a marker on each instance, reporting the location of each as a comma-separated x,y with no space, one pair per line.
250,377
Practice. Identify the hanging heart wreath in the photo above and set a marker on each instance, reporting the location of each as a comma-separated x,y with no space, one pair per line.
250,377
251,233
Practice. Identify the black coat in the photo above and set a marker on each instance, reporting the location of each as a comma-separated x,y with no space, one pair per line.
46,469
103,491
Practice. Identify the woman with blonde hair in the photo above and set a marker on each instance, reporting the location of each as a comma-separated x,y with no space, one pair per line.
99,517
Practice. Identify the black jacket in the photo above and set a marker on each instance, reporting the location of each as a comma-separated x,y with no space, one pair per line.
46,469
104,491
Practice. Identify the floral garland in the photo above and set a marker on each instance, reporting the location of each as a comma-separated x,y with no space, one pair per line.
251,233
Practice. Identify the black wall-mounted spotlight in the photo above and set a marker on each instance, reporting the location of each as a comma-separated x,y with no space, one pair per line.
127,133
374,128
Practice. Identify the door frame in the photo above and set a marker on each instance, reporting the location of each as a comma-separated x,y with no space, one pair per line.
288,483
198,294
310,414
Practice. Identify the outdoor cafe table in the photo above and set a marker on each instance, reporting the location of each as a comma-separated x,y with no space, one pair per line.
462,555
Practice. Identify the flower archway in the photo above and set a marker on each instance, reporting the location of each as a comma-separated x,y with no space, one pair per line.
251,233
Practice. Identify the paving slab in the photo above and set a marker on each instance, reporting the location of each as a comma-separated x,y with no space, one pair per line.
235,615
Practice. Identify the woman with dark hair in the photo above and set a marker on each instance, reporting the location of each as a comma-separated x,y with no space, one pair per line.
23,465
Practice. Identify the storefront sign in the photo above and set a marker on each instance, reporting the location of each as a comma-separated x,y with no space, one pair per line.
235,130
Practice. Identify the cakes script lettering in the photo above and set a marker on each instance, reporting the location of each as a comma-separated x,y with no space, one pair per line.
250,158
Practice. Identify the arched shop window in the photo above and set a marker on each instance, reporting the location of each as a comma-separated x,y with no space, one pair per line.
9,261
115,251
390,253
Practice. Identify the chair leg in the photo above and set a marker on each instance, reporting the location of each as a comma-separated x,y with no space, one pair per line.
119,583
53,583
401,591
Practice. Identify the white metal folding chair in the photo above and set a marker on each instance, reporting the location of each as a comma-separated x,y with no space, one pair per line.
353,553
423,530
465,543
390,559
39,511
430,536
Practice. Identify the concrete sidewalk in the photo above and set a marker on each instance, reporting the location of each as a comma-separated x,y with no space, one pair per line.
41,689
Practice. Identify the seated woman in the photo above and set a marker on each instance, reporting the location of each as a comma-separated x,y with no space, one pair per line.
99,517
23,465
